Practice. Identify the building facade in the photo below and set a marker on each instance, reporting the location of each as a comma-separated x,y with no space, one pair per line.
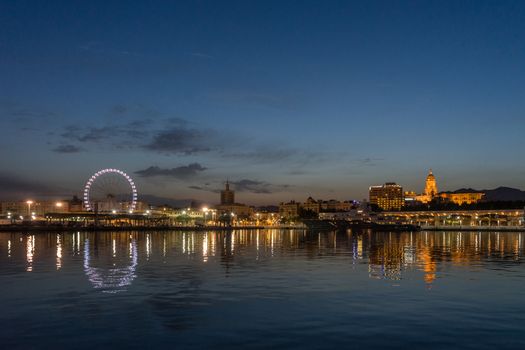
312,205
389,196
431,192
289,210
462,197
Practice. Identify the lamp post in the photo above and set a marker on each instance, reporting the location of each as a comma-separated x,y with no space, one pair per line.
29,207
205,211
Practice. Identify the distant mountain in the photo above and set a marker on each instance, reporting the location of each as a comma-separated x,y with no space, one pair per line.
498,194
504,194
175,203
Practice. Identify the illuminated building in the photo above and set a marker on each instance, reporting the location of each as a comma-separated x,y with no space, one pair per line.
332,205
34,207
292,209
289,210
410,197
462,197
387,197
431,191
312,205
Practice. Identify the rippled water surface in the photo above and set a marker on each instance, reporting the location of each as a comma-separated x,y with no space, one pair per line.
262,289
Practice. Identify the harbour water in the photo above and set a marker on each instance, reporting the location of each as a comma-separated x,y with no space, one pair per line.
263,289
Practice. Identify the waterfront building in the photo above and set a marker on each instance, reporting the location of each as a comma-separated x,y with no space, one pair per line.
33,207
228,205
462,196
312,205
237,209
387,197
410,198
333,205
292,209
466,219
289,210
430,191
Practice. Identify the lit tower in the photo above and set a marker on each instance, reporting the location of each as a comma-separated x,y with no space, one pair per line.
227,195
431,189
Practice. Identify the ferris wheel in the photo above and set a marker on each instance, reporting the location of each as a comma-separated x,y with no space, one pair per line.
110,190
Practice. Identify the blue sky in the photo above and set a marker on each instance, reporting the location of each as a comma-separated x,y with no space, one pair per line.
285,99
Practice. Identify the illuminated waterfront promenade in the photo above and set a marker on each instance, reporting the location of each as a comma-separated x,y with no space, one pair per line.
483,220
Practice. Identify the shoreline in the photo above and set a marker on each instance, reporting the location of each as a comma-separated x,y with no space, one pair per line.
33,229
19,228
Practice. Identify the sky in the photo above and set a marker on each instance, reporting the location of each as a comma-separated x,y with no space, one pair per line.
285,99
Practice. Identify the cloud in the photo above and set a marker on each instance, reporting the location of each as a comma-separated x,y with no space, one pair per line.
254,186
368,161
148,131
181,172
264,155
117,135
180,139
168,136
14,187
67,149
206,188
25,118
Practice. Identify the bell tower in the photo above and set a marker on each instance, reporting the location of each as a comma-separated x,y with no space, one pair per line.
430,185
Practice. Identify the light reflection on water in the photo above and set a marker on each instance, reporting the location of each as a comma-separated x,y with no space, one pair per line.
263,289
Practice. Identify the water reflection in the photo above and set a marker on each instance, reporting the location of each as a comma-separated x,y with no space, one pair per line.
109,279
111,260
30,251
59,252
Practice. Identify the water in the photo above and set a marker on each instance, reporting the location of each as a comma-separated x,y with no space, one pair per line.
262,289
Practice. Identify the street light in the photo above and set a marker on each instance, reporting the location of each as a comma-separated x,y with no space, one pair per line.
29,207
205,210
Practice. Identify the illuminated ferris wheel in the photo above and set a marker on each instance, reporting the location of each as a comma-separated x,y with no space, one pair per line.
110,190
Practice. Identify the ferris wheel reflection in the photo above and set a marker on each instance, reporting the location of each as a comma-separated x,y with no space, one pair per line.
112,279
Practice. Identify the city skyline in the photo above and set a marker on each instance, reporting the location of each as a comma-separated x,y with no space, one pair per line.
285,101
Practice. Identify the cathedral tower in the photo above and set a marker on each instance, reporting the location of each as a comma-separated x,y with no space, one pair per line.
430,186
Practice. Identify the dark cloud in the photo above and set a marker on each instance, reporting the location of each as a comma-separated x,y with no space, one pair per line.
181,172
207,187
368,161
180,139
176,136
264,155
67,149
117,135
173,136
25,118
254,186
14,187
